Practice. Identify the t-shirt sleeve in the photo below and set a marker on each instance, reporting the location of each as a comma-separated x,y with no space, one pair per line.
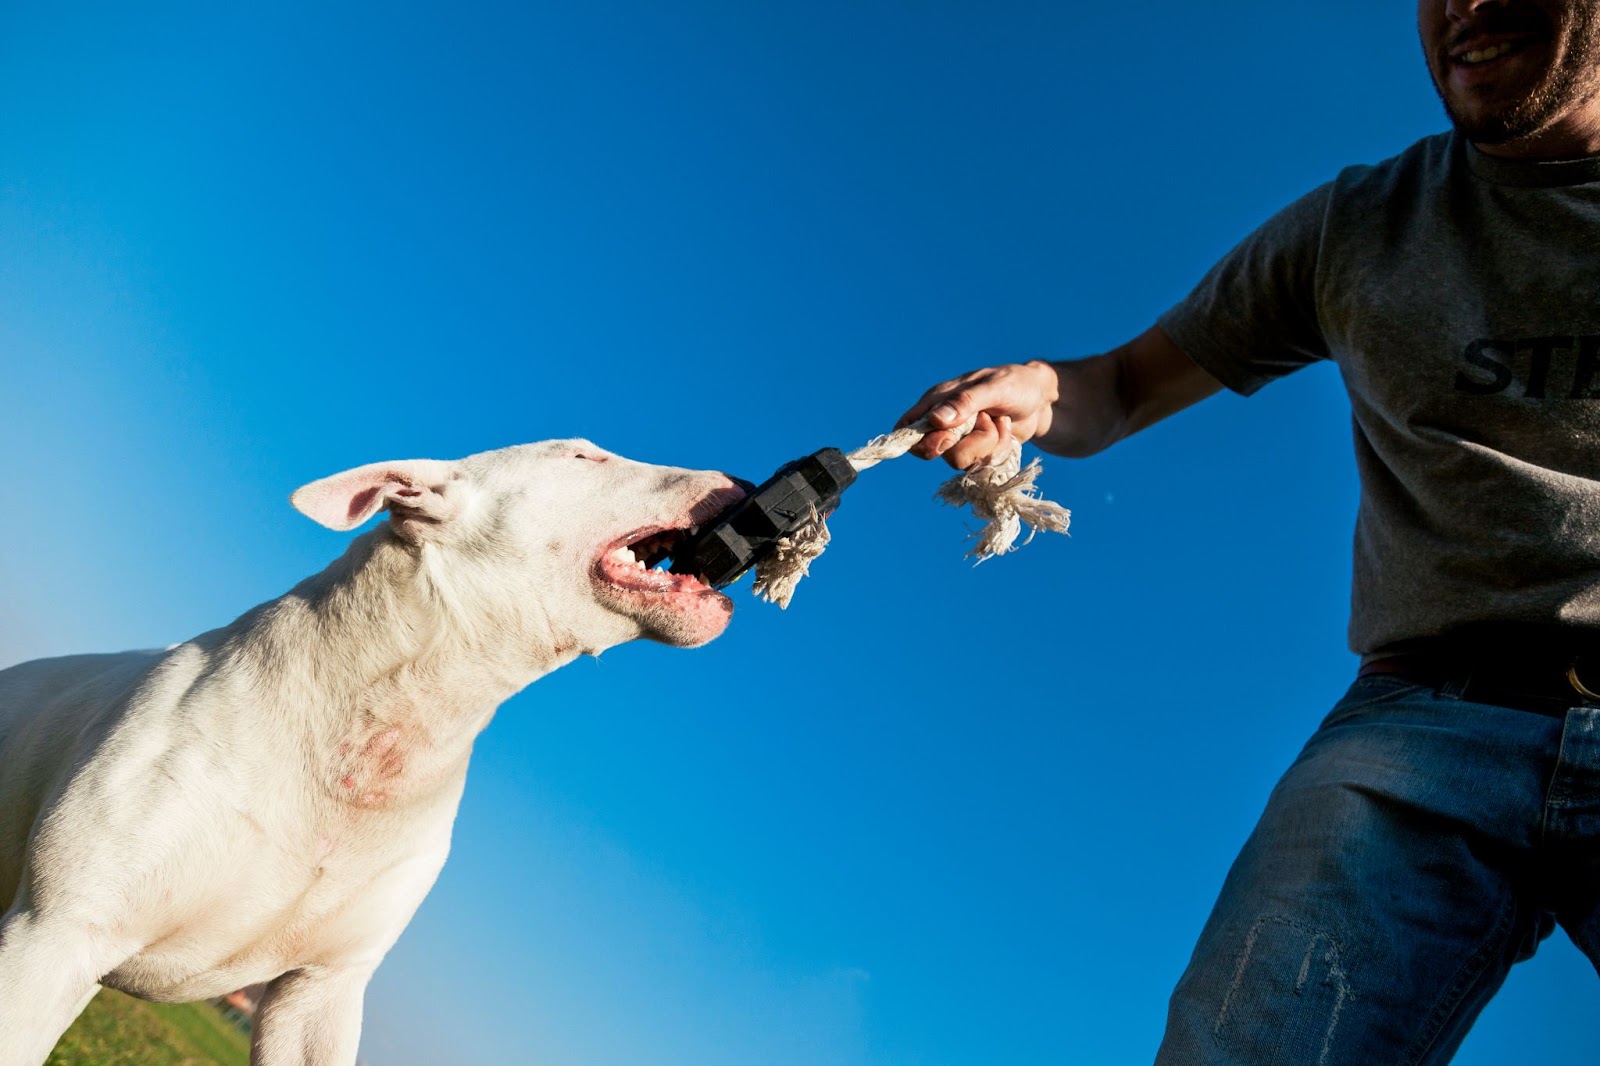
1253,317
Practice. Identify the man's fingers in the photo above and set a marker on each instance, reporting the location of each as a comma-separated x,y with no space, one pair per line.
933,445
979,444
930,399
938,405
956,407
996,395
946,414
912,415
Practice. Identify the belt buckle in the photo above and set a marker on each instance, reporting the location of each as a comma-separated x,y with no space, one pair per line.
1577,683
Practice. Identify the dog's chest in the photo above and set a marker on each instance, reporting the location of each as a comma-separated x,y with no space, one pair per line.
320,871
336,898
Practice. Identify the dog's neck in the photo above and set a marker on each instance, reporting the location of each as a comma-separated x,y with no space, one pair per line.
396,682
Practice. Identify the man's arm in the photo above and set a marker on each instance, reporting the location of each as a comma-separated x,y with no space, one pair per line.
1073,408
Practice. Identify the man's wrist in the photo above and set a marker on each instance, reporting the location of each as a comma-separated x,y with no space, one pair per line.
1049,379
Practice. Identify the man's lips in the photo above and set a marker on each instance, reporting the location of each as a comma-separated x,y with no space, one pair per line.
1486,61
1482,49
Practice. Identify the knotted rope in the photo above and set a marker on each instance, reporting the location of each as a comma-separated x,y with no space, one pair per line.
999,490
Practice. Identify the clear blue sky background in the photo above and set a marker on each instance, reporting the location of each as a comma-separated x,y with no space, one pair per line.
242,250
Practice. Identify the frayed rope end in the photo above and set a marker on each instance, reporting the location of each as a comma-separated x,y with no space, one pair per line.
779,574
1006,499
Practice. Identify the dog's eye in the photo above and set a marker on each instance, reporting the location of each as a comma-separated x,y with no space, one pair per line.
591,458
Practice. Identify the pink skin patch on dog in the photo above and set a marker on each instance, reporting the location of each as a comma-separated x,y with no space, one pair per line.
380,758
383,753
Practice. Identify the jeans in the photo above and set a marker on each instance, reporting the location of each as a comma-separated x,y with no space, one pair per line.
1418,847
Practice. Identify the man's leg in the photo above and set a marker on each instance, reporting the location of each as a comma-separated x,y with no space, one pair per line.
1572,832
1384,894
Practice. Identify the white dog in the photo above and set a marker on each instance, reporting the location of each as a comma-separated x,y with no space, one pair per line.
272,800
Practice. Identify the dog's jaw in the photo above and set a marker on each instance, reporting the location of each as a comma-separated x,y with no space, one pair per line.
677,609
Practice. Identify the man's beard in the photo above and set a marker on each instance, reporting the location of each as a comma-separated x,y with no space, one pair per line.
1573,81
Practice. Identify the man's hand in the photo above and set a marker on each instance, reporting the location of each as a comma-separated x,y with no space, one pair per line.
1010,401
1072,408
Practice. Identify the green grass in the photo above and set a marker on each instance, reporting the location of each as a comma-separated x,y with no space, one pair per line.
117,1030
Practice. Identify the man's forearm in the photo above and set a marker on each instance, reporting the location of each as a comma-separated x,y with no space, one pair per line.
1088,415
1104,398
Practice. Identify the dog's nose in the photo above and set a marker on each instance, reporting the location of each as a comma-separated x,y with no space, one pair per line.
747,487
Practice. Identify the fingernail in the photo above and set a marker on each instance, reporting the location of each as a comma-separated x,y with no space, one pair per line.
943,413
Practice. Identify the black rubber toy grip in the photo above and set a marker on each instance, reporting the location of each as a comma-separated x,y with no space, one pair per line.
749,530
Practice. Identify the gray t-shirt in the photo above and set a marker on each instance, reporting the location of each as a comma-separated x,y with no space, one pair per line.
1459,295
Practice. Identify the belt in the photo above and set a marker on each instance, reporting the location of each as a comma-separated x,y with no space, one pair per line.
1543,671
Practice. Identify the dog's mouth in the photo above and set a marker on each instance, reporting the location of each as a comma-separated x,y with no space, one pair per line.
638,562
677,608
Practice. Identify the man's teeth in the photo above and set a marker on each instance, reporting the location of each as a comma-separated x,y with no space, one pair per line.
1483,55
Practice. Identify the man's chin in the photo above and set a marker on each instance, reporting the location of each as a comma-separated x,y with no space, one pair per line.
1488,131
1486,120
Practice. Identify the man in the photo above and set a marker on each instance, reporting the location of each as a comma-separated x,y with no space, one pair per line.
1446,815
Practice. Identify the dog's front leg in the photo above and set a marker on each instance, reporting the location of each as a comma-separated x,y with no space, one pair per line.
310,1017
49,971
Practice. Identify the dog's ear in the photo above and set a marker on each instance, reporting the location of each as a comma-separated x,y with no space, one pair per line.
418,492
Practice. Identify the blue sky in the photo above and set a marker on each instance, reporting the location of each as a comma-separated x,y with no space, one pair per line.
240,250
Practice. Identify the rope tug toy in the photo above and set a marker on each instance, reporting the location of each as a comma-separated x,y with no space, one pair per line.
781,527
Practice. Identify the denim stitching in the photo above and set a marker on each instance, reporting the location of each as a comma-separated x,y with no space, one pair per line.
1333,956
1341,981
1555,793
1465,979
